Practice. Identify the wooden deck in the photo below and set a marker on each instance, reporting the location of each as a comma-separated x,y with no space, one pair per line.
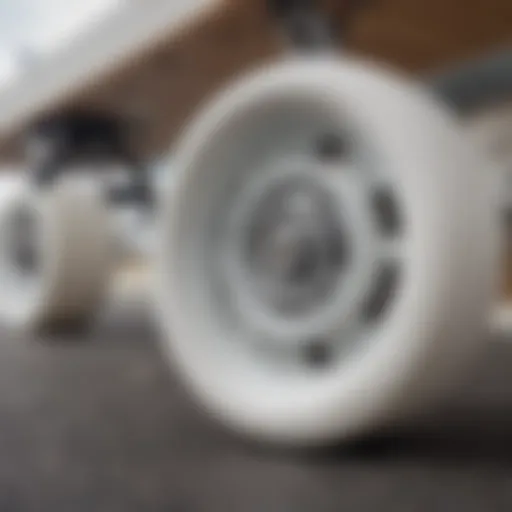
166,83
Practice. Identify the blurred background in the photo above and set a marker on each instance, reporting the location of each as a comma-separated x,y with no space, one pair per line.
96,422
33,29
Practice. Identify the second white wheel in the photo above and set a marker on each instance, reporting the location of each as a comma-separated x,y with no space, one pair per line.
55,254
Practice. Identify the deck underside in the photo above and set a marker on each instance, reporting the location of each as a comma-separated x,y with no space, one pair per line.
163,85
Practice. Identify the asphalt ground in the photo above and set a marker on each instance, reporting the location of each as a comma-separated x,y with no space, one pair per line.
98,423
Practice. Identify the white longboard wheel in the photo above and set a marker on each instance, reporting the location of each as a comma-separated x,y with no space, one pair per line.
491,129
329,253
55,255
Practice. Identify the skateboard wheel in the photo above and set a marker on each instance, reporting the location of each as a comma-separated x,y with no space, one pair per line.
329,253
489,128
54,255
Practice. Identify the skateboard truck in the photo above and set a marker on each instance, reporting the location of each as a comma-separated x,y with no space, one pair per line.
307,26
57,144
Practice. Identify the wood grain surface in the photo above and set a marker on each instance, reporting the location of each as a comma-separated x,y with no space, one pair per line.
163,88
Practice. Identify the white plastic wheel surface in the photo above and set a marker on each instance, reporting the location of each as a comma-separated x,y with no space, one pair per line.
338,369
59,278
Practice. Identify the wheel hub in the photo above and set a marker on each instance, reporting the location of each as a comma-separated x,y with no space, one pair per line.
295,248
